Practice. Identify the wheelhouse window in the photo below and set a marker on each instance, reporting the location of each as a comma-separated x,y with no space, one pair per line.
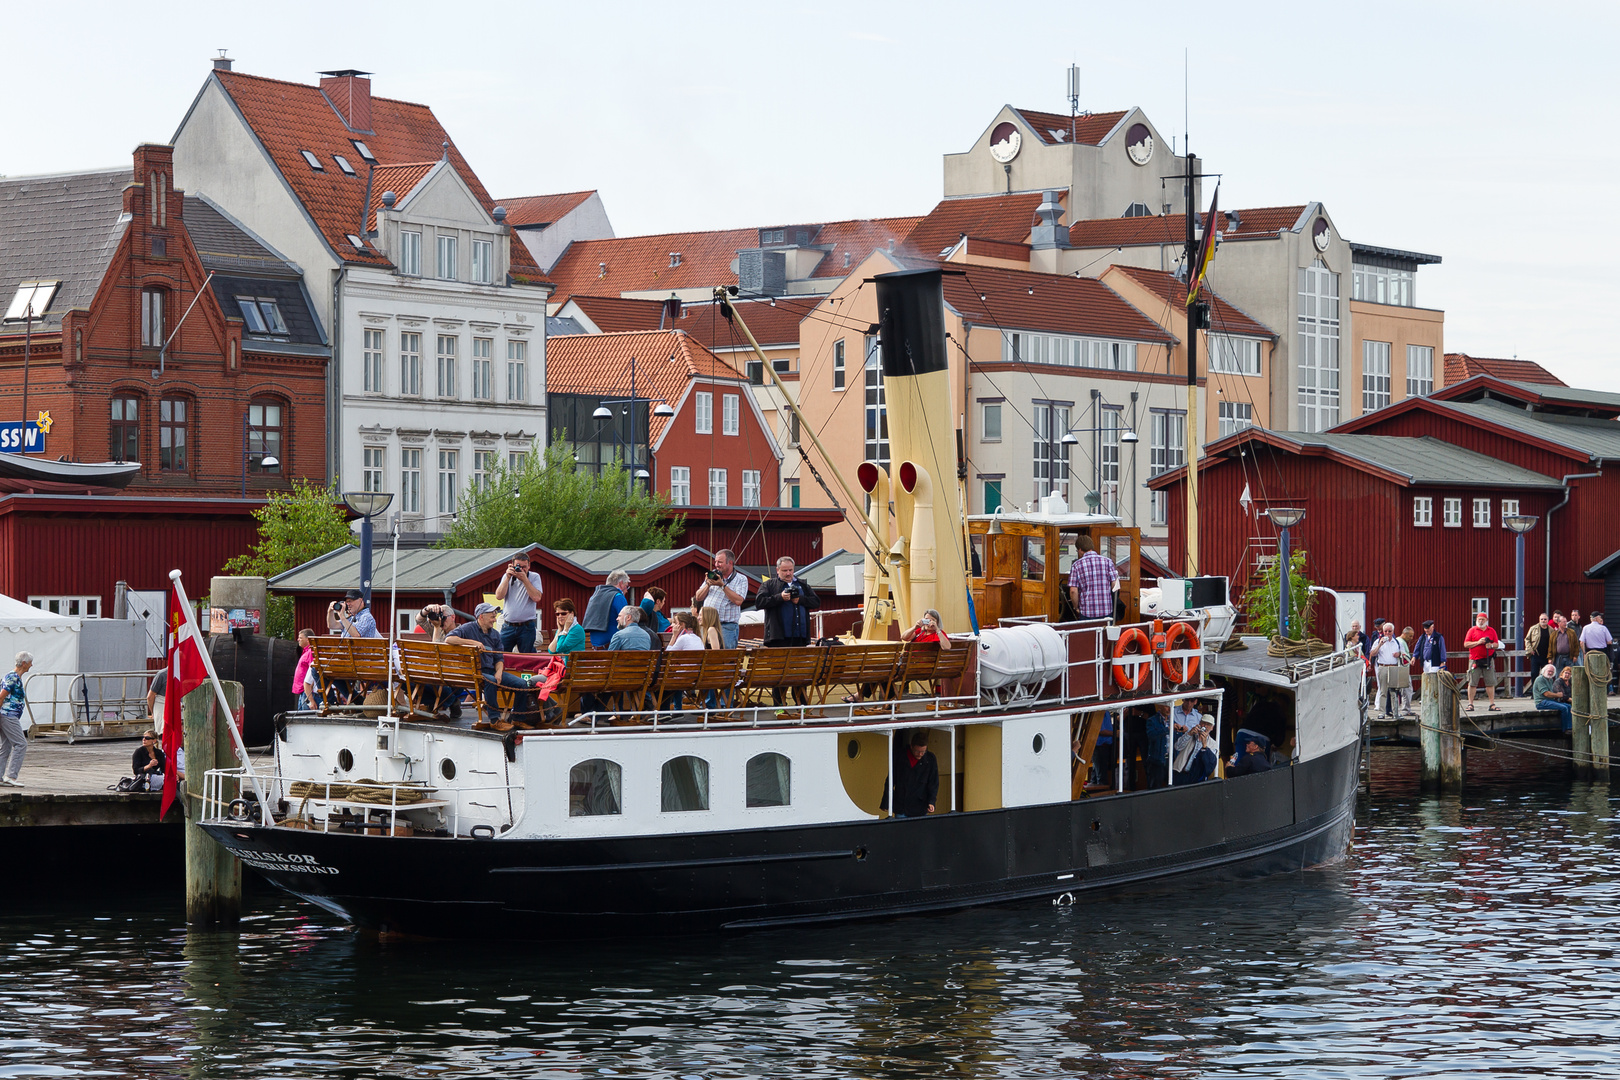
126,430
595,788
152,317
770,780
264,435
172,435
684,785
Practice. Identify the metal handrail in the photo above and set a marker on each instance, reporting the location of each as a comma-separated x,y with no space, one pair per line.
217,796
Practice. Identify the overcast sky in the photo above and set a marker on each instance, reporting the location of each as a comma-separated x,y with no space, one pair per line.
1478,132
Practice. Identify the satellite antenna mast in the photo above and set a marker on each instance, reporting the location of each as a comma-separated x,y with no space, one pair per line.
1074,99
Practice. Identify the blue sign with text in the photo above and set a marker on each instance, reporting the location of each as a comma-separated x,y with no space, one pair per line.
13,435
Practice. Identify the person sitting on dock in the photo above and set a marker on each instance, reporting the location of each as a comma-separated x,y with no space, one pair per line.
1253,755
916,777
1552,694
13,739
147,763
1482,644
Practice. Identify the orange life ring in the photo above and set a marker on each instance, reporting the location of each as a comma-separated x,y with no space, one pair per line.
1130,676
1172,665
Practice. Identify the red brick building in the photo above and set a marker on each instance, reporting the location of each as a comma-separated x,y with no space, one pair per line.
162,332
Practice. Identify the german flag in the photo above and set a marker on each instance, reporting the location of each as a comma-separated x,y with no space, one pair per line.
1206,251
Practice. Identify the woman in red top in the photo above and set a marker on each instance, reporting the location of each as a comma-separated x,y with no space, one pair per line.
927,629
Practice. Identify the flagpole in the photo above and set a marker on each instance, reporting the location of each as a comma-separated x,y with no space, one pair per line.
1193,441
219,694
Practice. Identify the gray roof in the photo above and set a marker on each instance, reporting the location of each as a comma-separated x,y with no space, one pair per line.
227,247
1597,438
60,228
1426,460
604,561
1570,394
556,327
822,574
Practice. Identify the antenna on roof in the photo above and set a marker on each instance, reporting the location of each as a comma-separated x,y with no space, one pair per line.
1074,99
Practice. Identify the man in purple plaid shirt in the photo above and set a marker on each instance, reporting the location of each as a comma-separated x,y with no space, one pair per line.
1093,581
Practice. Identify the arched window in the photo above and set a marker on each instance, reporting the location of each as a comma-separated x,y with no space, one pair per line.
173,425
264,440
125,433
685,785
595,788
770,780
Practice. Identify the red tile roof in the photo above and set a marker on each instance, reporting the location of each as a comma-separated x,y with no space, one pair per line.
541,209
772,324
289,118
1224,318
666,360
1007,218
1460,366
1172,228
400,179
1058,304
1088,130
642,263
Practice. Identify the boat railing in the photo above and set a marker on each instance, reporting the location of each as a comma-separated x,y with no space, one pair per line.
876,711
820,617
88,705
378,804
1316,665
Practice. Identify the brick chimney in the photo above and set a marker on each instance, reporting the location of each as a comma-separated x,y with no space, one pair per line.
349,93
157,199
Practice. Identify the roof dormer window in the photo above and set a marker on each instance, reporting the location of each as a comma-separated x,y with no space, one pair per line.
32,300
674,259
343,163
364,151
314,162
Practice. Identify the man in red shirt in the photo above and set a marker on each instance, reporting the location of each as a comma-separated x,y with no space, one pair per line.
1482,644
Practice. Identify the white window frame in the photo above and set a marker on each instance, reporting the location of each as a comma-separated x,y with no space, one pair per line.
1510,508
446,263
838,366
1050,456
1482,513
483,261
1234,416
1317,334
517,371
717,487
516,461
371,361
1477,605
449,479
410,252
373,466
1419,360
483,464
483,369
88,607
875,441
703,412
730,414
1231,355
1375,375
410,480
1511,630
449,345
152,303
680,485
410,363
991,418
750,487
1423,511
1451,513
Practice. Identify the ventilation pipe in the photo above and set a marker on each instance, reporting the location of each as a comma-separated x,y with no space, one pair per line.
923,568
874,480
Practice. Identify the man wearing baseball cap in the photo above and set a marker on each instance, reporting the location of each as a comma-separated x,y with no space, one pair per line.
481,634
350,617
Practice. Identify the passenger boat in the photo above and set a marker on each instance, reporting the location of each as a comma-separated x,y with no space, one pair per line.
637,821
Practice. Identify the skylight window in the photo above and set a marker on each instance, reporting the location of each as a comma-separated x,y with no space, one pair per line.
343,163
262,315
359,244
314,162
33,298
364,151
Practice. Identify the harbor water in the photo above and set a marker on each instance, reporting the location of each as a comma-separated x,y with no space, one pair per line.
1463,937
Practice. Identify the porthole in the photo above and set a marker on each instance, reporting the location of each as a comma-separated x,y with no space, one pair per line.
447,769
1040,742
345,760
854,749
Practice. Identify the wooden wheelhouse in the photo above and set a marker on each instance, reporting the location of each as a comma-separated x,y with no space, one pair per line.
1020,564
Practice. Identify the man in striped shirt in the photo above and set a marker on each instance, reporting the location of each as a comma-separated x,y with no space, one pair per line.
1093,581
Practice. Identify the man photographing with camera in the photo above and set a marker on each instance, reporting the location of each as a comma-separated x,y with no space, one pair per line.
787,603
724,588
519,591
350,617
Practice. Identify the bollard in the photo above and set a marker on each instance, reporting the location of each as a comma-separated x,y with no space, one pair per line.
1596,664
1441,733
213,876
1580,737
1429,713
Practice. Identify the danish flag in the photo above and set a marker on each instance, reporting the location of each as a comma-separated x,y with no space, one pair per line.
186,672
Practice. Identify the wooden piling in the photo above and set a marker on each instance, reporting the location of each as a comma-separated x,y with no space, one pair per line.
1597,669
1441,734
213,875
1580,704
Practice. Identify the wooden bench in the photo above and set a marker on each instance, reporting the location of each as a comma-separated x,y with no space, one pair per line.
607,673
857,666
428,665
348,659
797,669
697,671
926,662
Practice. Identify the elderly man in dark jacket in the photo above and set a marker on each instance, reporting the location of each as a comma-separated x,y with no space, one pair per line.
787,603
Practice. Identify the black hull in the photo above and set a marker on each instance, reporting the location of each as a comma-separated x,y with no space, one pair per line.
1247,826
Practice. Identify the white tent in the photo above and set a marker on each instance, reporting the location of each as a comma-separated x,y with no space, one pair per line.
54,641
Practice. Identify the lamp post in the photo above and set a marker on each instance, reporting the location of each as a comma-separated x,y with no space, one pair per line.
1520,524
603,414
367,504
1127,436
1285,518
267,461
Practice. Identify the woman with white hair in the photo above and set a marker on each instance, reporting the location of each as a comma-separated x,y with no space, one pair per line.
927,629
1551,694
13,740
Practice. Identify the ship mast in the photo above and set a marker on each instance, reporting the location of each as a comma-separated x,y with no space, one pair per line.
1194,309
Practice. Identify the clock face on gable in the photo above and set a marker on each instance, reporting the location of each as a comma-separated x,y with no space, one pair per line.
1320,236
1139,144
1005,141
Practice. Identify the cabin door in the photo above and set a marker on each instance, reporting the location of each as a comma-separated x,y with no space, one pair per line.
1124,547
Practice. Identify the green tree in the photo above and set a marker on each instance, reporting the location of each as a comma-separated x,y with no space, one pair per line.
294,527
551,501
1262,602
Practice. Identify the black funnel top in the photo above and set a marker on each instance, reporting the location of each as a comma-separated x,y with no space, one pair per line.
911,322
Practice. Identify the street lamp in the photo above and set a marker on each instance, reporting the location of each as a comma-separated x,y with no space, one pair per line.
268,461
1285,518
1520,524
367,504
603,413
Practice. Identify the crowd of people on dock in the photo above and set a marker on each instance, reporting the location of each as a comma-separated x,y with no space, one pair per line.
1553,647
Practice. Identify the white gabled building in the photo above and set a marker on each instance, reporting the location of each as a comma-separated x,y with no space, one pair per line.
437,318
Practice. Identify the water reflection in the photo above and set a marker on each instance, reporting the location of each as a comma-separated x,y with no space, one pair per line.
1465,937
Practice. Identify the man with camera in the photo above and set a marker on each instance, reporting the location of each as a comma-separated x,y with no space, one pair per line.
787,603
350,617
520,592
725,589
